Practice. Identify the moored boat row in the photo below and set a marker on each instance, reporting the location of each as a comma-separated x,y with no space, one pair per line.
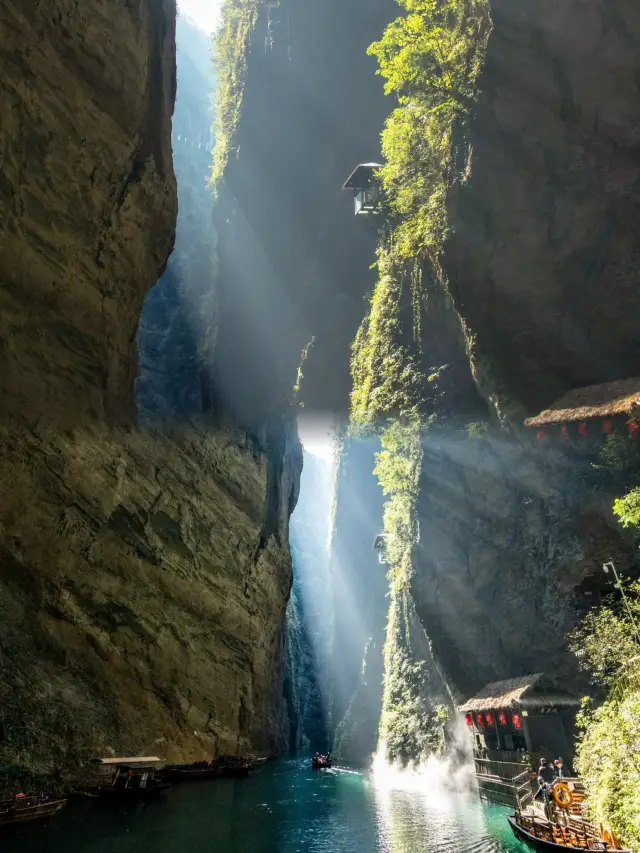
125,780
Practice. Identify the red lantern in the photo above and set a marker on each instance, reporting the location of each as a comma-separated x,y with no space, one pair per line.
607,427
479,720
468,719
633,429
583,429
517,722
502,718
542,434
489,719
564,431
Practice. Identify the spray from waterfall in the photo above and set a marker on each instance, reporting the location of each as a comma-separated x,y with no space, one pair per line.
451,772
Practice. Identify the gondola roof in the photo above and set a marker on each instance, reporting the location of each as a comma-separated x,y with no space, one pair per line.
361,176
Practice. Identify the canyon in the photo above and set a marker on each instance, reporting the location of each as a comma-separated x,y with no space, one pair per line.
150,459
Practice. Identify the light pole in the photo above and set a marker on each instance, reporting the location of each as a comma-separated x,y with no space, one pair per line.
618,584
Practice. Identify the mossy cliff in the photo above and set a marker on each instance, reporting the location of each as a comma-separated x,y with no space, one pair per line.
506,276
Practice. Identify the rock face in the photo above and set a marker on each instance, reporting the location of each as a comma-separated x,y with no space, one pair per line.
360,602
144,574
87,198
543,268
142,596
178,317
543,262
293,260
512,541
309,612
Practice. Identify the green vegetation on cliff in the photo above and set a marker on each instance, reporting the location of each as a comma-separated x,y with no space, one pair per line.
430,57
231,46
608,756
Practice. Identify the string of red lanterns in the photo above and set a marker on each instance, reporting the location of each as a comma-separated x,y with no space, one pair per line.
488,718
633,430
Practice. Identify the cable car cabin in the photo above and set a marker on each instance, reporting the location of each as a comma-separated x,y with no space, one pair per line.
366,188
380,545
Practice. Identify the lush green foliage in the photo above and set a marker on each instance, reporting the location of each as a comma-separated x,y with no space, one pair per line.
231,49
398,472
411,725
608,755
430,58
385,365
606,638
628,509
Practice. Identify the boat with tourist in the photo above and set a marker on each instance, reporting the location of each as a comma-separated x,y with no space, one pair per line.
129,780
24,809
320,762
557,822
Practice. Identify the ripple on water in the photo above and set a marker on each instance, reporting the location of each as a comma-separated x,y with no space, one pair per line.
285,808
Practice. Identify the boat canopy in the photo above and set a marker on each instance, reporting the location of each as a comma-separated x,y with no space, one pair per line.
129,762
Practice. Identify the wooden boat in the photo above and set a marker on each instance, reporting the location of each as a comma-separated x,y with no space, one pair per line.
559,824
320,762
197,771
132,780
234,766
21,809
543,839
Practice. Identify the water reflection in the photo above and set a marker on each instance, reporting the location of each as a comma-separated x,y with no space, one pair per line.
289,808
430,808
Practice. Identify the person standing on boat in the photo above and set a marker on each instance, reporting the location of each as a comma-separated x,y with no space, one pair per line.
559,768
546,775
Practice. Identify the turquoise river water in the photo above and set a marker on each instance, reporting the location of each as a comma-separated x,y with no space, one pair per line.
285,807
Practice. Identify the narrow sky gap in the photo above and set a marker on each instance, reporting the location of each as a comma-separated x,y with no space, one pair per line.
204,13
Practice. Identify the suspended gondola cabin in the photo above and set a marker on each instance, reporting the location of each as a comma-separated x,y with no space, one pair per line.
366,188
592,412
380,545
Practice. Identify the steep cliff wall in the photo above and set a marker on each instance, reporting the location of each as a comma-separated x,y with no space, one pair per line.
542,266
142,599
143,574
88,199
543,260
178,317
293,263
529,290
309,612
512,541
360,602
